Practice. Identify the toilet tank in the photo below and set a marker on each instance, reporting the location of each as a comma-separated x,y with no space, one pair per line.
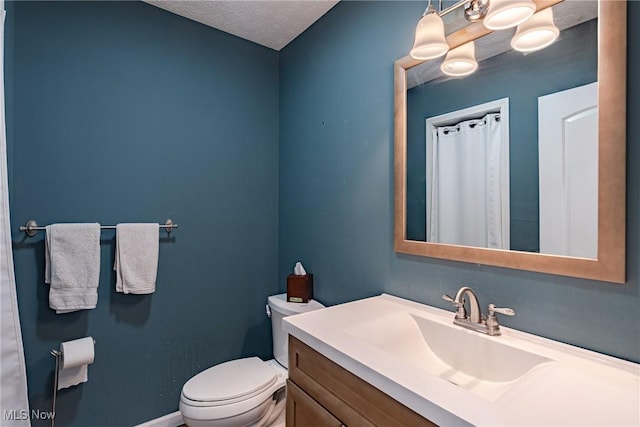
278,307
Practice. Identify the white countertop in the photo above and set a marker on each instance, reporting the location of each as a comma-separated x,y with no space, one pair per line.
580,387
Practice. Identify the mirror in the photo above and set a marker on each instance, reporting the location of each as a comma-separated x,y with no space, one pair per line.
498,199
528,213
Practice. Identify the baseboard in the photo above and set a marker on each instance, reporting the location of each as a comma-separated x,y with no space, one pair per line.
170,420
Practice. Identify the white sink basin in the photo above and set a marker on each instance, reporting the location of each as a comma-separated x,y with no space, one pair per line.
467,359
454,376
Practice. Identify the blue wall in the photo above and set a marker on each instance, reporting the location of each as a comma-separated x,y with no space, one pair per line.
336,188
122,112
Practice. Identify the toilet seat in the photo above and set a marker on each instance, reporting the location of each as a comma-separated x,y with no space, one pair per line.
229,382
230,389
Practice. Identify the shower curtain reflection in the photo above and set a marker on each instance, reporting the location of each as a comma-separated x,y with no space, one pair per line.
467,184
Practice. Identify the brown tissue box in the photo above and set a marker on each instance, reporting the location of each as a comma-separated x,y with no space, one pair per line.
299,288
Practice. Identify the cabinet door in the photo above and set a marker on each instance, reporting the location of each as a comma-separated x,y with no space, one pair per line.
303,411
354,401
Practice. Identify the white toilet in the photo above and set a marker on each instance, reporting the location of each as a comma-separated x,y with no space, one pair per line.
249,391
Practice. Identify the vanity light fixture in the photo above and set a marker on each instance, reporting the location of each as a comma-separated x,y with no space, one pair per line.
536,33
504,14
460,61
430,41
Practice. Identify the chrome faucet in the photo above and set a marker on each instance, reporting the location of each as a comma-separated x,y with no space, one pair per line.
475,320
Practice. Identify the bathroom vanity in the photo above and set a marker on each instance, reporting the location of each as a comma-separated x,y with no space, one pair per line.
320,392
389,361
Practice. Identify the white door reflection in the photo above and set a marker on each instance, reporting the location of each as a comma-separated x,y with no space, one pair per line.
568,161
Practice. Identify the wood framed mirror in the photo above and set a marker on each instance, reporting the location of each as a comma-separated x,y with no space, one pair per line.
609,263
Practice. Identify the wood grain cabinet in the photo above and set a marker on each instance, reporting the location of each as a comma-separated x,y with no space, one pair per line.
321,393
303,411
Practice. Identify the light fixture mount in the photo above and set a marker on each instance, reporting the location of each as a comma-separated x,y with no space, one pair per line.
475,10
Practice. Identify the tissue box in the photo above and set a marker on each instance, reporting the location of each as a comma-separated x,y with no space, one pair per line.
299,288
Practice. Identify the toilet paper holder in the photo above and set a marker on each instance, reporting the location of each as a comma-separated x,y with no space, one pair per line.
57,355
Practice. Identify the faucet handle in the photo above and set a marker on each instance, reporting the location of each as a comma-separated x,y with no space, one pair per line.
449,298
458,304
506,311
461,312
493,328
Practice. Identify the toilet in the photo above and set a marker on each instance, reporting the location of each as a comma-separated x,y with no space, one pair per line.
248,391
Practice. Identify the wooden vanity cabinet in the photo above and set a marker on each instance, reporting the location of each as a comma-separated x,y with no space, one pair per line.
321,393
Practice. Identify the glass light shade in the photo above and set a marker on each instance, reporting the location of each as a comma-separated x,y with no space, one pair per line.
508,13
460,61
430,41
536,33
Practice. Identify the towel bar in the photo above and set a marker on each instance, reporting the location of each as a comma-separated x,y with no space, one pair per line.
32,227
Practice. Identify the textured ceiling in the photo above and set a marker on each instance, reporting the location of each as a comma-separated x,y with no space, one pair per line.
271,23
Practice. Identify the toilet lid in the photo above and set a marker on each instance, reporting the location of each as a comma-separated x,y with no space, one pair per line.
230,380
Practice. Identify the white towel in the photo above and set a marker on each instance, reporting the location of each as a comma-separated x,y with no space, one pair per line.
136,260
72,267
